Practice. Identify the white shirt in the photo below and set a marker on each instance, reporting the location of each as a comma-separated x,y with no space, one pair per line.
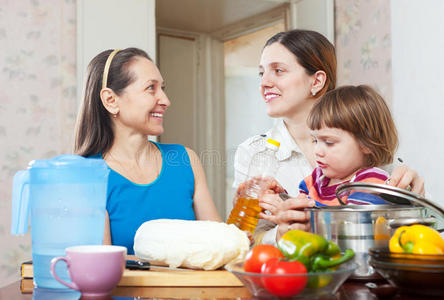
293,167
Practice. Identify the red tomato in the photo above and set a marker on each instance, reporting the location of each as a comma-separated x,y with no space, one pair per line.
260,254
284,286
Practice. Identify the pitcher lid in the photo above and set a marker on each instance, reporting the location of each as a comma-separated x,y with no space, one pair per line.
67,160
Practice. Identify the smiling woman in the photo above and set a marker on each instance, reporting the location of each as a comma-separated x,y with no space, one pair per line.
124,102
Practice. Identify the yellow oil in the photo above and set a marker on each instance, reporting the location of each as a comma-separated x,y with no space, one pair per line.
245,214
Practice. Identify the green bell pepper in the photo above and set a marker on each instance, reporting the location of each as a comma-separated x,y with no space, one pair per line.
314,251
321,261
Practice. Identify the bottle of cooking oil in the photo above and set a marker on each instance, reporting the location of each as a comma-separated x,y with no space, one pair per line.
246,210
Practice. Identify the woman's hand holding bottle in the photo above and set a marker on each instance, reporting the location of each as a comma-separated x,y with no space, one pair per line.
267,185
261,171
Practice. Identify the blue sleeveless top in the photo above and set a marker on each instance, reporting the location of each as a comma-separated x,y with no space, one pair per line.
169,196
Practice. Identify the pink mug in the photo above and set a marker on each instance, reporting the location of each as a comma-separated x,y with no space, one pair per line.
94,269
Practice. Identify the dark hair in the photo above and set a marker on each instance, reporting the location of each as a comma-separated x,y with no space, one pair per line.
313,51
94,132
361,111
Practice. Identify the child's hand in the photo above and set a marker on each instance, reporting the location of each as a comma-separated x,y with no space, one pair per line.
304,198
288,214
271,202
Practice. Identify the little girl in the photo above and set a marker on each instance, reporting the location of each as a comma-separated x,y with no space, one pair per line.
354,132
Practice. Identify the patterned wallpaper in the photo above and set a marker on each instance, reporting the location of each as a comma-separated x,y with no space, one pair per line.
37,101
363,44
38,86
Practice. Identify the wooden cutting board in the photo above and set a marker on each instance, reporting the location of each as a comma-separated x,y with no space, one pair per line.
186,277
162,277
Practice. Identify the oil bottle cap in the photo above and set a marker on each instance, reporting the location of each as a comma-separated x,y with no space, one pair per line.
273,142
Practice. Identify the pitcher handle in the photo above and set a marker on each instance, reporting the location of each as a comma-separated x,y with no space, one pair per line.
20,203
54,261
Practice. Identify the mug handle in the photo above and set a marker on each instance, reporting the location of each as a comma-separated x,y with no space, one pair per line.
54,261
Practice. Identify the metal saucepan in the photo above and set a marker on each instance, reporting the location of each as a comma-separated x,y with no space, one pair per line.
361,227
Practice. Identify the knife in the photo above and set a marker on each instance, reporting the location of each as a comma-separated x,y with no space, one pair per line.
145,265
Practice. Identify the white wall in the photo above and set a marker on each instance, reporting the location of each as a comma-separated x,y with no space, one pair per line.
418,87
113,24
317,15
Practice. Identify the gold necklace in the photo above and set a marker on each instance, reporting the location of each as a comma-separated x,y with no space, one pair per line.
128,171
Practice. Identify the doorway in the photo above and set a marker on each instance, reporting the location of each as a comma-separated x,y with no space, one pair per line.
217,124
245,110
192,62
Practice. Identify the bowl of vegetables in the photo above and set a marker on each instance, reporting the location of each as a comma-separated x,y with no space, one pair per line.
304,265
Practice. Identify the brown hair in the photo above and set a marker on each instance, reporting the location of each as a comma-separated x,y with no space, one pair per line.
361,111
94,132
313,51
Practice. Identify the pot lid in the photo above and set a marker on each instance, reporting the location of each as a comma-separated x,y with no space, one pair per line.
390,194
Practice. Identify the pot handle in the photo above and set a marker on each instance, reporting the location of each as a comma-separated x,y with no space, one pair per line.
395,223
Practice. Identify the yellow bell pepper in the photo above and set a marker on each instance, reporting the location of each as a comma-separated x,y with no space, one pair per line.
394,245
417,239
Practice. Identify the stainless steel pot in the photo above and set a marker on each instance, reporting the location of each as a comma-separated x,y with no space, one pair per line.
361,227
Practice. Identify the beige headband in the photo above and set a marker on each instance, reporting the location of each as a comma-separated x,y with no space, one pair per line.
106,70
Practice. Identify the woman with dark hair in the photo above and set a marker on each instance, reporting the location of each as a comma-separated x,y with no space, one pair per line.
296,68
124,102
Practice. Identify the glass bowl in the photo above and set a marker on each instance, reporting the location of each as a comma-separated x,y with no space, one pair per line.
318,284
417,274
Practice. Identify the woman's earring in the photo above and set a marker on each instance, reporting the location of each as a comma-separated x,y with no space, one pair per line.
313,92
115,115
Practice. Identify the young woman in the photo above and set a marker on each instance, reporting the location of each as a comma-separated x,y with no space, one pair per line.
124,103
296,67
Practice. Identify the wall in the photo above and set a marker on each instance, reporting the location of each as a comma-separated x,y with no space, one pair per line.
418,89
37,101
101,26
363,44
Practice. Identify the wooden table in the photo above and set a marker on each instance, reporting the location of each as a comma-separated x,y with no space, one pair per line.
160,283
165,283
351,290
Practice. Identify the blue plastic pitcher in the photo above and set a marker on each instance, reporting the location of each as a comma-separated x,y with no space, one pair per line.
66,199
